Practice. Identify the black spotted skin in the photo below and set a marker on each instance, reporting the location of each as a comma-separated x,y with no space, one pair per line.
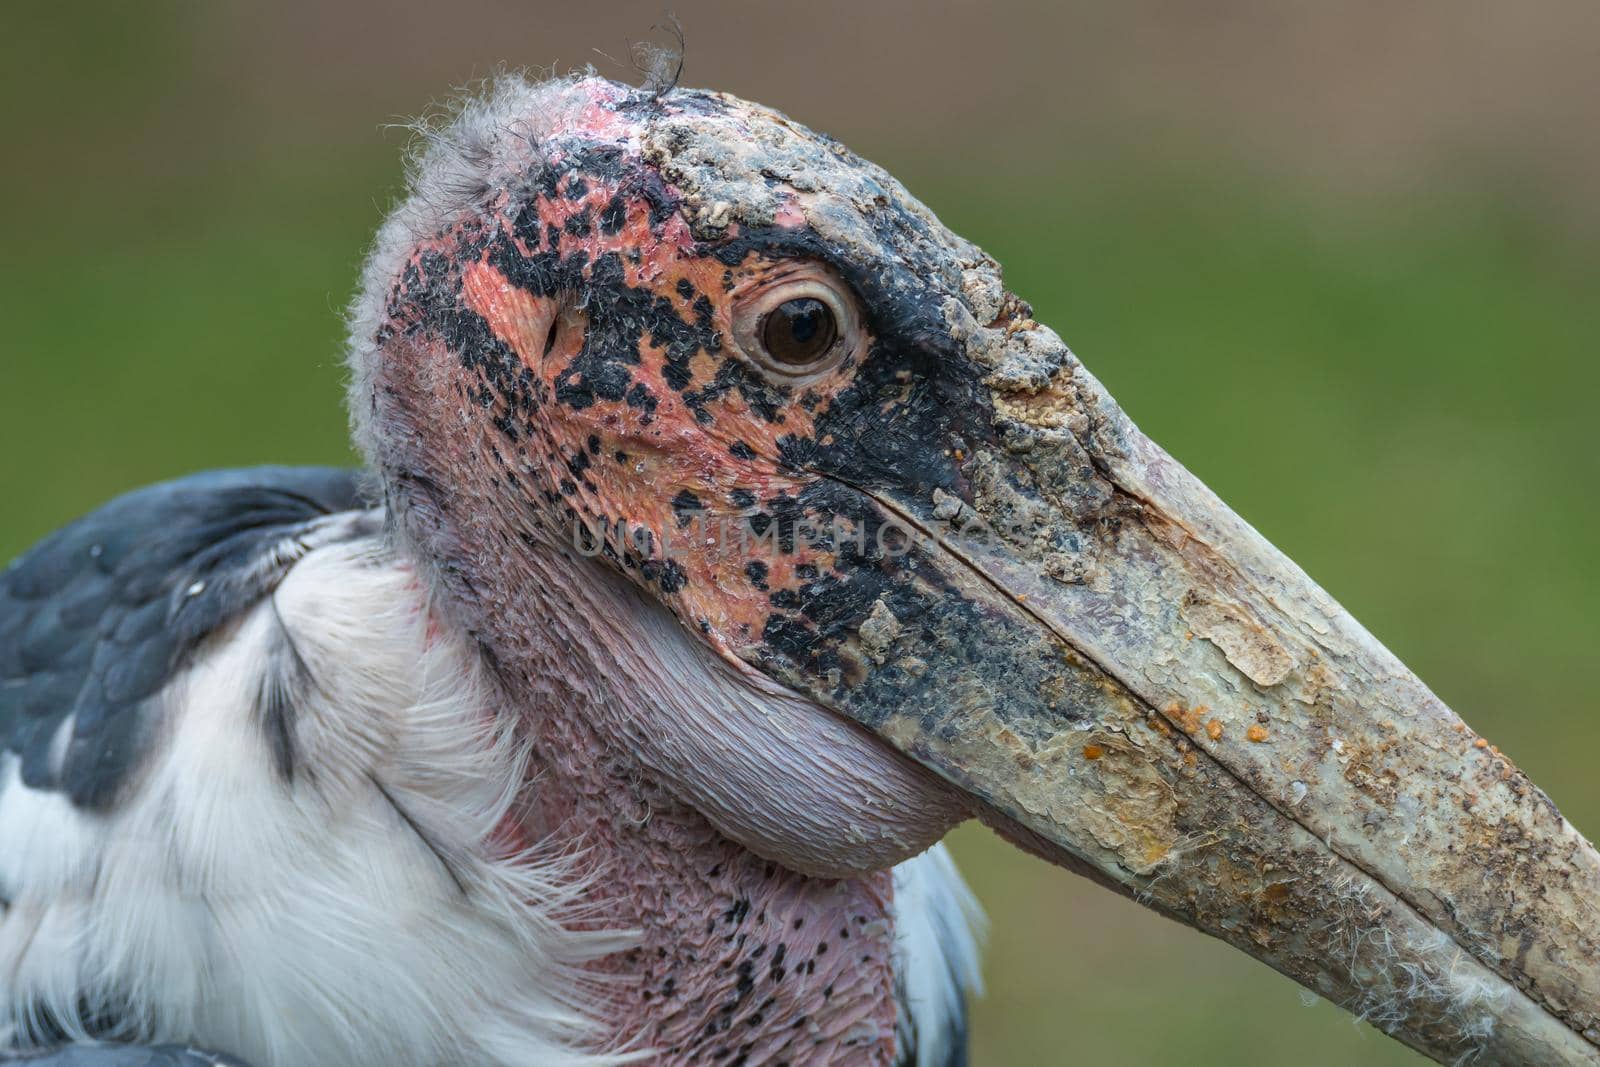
641,366
96,619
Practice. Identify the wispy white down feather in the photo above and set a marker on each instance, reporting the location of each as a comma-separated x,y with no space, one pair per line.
938,925
362,915
481,147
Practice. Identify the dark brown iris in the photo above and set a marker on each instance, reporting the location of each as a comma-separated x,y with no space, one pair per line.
799,331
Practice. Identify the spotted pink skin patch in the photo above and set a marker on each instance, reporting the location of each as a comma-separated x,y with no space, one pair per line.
736,954
740,960
689,483
572,351
791,215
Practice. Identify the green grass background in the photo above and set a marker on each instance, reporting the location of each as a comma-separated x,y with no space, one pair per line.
1398,389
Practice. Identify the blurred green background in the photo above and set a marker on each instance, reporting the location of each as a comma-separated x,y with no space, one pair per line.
1339,259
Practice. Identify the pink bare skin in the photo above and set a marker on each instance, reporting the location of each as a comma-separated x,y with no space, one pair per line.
694,791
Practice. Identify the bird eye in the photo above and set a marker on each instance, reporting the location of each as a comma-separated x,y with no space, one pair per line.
799,324
799,332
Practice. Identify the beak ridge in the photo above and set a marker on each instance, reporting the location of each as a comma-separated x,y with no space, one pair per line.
1238,752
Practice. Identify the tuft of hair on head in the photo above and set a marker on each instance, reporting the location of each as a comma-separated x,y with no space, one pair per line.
486,142
661,65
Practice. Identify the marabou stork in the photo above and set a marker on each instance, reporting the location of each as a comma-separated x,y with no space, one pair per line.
729,534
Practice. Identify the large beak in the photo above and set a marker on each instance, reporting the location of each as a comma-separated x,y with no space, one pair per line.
1132,682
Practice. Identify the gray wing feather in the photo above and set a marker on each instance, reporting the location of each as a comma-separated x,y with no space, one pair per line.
99,616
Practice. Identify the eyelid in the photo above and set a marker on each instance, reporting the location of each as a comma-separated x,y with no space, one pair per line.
751,311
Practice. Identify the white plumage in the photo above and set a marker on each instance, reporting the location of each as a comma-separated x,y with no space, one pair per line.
366,915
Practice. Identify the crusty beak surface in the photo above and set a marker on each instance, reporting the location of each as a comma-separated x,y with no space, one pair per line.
1160,699
1118,670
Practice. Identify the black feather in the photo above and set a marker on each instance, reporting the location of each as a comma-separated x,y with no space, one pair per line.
97,618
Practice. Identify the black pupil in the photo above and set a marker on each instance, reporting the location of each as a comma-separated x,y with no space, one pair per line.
799,330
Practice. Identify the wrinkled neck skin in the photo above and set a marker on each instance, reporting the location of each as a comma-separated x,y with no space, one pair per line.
738,954
744,834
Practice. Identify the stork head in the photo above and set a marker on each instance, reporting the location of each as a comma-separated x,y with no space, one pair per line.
681,339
